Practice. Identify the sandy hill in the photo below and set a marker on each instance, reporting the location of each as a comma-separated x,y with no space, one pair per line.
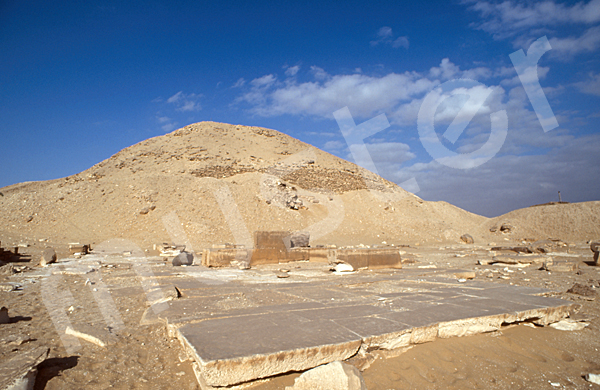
211,183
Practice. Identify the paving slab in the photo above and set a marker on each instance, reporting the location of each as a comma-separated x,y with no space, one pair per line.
252,327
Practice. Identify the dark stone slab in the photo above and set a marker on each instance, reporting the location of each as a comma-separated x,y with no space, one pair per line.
332,313
233,337
434,314
371,326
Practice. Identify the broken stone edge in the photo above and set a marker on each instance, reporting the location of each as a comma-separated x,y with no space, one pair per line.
220,373
248,368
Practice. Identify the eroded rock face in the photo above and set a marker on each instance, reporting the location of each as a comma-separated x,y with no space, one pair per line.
333,376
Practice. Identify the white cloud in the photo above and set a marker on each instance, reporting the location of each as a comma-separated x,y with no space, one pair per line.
186,102
389,155
588,42
386,36
364,95
590,86
292,70
448,70
319,73
175,98
240,83
334,145
264,82
507,18
168,127
400,42
512,181
526,22
166,124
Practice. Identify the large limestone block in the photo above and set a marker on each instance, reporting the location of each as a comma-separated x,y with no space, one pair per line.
333,376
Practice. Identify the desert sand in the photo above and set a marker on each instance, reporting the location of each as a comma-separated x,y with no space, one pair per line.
212,183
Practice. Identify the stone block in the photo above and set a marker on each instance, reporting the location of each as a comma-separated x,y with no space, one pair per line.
321,255
333,376
48,257
300,240
560,265
272,240
224,257
370,258
280,342
82,249
184,258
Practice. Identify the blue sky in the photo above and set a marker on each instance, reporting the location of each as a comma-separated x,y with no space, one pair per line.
80,81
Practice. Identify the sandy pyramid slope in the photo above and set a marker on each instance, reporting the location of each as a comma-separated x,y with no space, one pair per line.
211,183
569,222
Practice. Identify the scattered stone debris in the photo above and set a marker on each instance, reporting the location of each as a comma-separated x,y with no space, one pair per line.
342,268
583,290
19,373
554,265
332,376
467,239
276,192
8,287
4,318
48,257
183,258
465,275
84,336
541,246
593,378
147,209
504,228
568,324
16,339
168,250
518,261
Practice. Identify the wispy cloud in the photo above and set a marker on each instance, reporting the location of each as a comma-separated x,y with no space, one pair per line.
186,102
591,86
385,36
523,22
511,181
292,70
363,94
240,83
570,46
508,18
400,97
166,124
